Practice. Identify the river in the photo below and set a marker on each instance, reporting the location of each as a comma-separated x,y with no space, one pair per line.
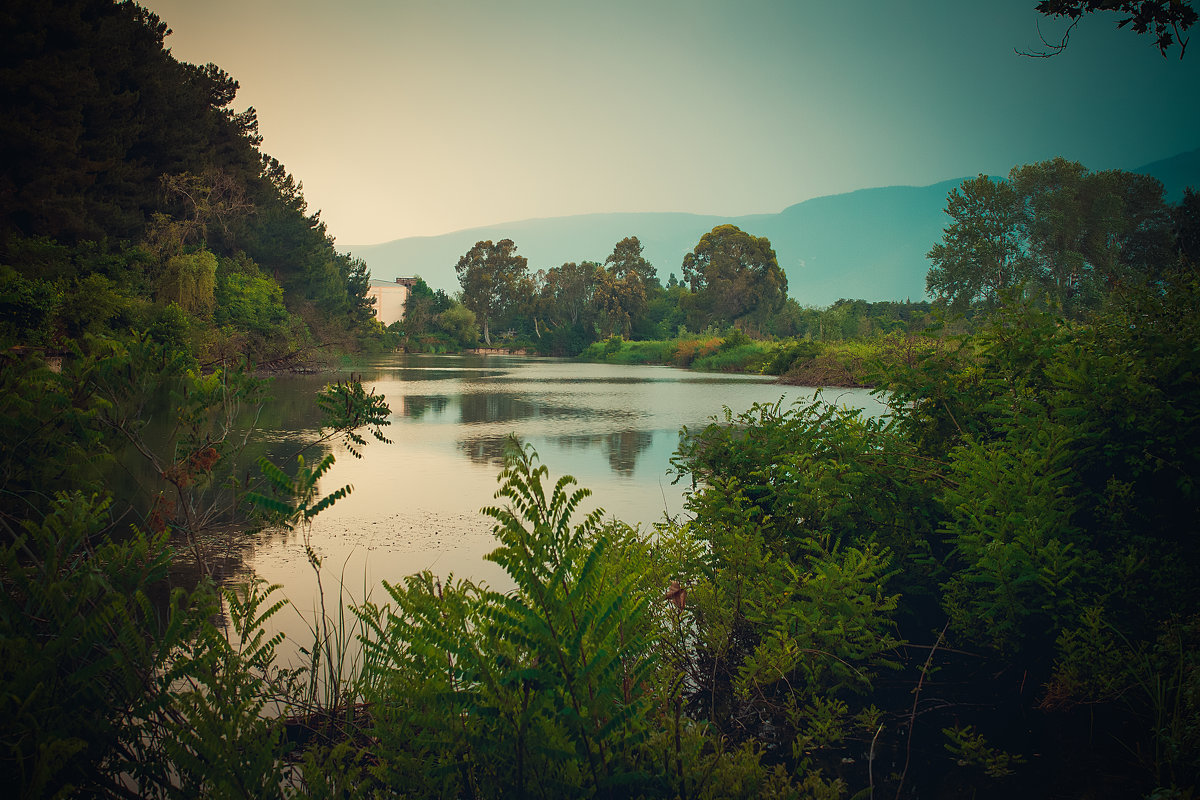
415,502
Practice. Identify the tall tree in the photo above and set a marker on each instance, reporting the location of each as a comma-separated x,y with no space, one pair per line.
1088,231
622,287
490,275
568,293
105,137
1053,226
981,251
735,278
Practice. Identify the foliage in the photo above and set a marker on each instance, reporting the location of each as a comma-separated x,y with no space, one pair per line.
246,298
139,183
748,357
348,407
979,256
1028,495
547,686
1052,228
189,281
1166,20
491,275
622,286
458,322
786,355
972,750
734,278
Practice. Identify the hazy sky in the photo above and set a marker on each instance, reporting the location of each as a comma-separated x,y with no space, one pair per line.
418,117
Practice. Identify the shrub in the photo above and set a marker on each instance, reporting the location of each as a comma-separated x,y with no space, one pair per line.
748,357
691,349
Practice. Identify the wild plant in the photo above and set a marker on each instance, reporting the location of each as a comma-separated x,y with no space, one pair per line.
544,690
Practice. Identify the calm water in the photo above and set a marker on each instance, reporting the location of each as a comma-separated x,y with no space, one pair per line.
415,503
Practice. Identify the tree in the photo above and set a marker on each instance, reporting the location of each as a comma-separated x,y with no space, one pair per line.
190,281
418,308
1166,20
490,275
568,291
980,254
458,322
735,278
1187,228
1087,231
621,287
1055,227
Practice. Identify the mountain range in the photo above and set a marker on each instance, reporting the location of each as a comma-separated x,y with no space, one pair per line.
868,244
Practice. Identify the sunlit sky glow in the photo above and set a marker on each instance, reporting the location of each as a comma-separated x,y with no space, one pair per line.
419,117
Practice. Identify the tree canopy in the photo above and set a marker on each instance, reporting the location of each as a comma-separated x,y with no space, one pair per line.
734,277
1054,228
621,287
491,275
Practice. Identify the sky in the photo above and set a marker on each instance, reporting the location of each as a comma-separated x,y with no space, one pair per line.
420,117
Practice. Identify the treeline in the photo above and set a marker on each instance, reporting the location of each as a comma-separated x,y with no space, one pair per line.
133,196
731,282
1053,232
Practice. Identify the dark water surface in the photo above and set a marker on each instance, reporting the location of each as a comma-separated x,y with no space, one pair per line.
415,503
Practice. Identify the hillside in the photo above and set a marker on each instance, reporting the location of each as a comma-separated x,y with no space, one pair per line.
869,244
133,196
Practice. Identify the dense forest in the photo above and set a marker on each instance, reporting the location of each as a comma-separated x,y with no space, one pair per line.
992,590
134,197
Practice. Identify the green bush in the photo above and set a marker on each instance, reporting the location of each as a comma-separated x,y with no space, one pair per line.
788,354
742,358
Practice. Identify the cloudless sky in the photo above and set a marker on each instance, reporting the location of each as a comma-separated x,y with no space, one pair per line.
419,117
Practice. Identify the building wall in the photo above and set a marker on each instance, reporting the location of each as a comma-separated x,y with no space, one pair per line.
389,301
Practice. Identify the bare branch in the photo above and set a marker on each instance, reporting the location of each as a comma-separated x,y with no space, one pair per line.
1051,48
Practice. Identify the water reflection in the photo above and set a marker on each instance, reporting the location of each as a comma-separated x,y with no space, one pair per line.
620,447
416,406
484,450
475,408
416,502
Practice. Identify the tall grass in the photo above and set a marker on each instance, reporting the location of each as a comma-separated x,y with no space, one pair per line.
748,357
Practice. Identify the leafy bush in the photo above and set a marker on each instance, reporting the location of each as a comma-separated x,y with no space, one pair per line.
688,350
789,353
748,357
248,299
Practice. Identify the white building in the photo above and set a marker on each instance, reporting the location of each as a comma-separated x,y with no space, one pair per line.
390,298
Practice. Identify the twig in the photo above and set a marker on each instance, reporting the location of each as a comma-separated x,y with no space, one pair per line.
871,761
912,718
1051,49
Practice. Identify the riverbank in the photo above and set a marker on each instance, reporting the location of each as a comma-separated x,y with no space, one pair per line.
796,362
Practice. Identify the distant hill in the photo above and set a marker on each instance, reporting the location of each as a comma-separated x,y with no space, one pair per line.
869,244
1176,173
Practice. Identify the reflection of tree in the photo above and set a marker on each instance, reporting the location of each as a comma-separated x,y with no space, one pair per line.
621,447
495,408
415,405
484,449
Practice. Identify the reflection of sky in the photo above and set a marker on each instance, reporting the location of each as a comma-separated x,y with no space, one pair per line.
415,503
